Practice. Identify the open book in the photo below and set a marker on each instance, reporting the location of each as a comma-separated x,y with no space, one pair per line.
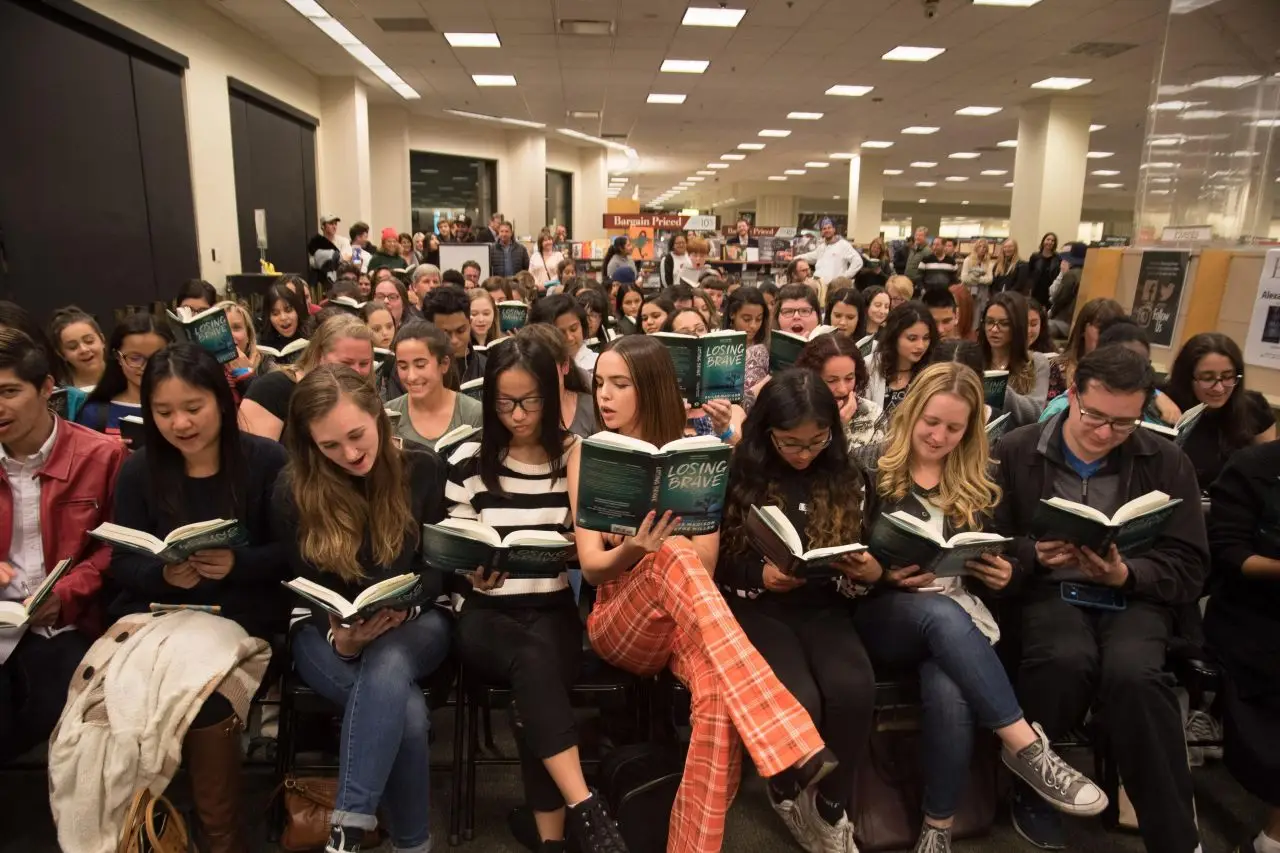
866,346
473,388
461,545
398,593
210,329
493,343
998,426
512,314
455,438
784,347
287,353
622,478
14,614
181,542
902,539
133,430
346,303
1133,527
710,367
994,385
1179,431
772,534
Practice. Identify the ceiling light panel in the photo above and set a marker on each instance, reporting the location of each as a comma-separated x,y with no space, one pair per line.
733,156
955,179
1105,173
995,172
775,134
964,155
1094,128
919,130
978,111
1061,83
793,171
684,66
926,183
472,39
697,16
848,91
751,146
923,164
892,172
1021,4
1100,155
905,53
494,79
1110,186
797,116
875,143
816,164
705,172
717,165
777,177
1007,143
657,98
322,20
842,155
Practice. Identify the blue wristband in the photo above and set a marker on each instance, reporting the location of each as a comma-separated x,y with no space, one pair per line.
727,434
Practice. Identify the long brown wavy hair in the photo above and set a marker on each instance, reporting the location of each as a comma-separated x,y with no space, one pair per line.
334,514
966,492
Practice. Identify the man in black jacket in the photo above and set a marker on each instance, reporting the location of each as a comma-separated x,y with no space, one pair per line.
1112,660
507,256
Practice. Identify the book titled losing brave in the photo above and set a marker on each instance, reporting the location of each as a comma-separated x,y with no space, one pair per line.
622,479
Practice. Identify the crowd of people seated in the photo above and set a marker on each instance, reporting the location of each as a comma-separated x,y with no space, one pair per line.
326,455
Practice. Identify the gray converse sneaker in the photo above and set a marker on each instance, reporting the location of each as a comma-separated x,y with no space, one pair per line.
933,839
1060,784
829,838
796,821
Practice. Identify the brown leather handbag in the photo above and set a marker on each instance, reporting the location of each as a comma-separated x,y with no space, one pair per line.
308,808
152,825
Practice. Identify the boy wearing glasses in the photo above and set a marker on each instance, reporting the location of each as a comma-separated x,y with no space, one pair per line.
56,482
1107,657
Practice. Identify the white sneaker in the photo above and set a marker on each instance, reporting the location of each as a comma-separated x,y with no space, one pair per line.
795,821
830,839
1203,727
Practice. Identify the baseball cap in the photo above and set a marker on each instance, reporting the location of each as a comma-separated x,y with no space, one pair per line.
390,234
329,217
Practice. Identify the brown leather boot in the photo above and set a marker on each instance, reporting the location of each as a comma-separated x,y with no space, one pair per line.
213,759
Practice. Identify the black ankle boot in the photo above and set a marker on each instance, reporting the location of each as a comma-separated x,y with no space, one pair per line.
591,826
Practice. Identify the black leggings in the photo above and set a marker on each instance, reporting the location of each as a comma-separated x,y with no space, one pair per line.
537,653
818,656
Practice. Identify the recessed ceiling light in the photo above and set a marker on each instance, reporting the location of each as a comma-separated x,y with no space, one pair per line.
1100,155
777,177
964,155
1022,4
1110,186
472,39
1177,106
1201,115
1166,192
493,79
584,114
316,14
717,165
923,164
1230,81
697,179
1093,128
804,116
705,172
956,178
876,143
904,53
751,146
733,156
847,91
1162,164
1105,173
920,131
777,134
842,155
1007,143
922,201
697,16
655,98
793,171
1009,184
685,66
817,164
978,111
926,183
995,172
1061,83
966,201
892,172
1161,141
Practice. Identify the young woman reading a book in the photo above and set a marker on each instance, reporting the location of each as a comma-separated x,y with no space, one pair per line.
904,343
1038,337
845,310
714,417
429,408
1209,369
657,606
627,303
81,346
246,338
791,457
564,313
349,510
198,466
484,318
796,310
342,339
835,360
595,304
524,633
287,318
934,466
577,404
119,392
1002,335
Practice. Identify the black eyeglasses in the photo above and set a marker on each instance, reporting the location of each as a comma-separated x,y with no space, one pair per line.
793,448
507,405
1226,380
1097,420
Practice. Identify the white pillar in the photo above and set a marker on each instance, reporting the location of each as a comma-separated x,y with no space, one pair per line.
866,198
1049,170
779,210
345,185
389,167
522,194
589,194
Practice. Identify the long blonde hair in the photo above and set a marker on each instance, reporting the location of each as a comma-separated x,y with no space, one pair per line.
966,491
250,333
1003,266
339,327
334,516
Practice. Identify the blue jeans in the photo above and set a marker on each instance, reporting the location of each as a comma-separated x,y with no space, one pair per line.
961,681
385,755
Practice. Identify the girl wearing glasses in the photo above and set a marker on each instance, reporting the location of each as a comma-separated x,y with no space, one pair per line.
715,417
119,393
1002,335
657,606
349,510
792,456
934,465
1210,370
904,345
524,634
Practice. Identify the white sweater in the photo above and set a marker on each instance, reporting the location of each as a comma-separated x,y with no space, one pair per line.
832,260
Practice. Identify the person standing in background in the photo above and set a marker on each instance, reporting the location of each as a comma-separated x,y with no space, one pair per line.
495,225
914,254
743,237
323,254
545,262
358,252
1043,268
507,256
976,275
835,257
1009,271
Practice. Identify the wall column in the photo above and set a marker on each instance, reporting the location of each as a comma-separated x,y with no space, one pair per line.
389,166
866,197
780,210
522,193
590,191
343,159
1049,170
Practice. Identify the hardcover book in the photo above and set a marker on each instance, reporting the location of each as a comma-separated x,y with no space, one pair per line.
710,367
997,427
14,614
133,431
512,314
398,593
461,546
622,479
1132,528
772,534
473,388
784,347
994,385
900,539
181,542
1182,429
210,329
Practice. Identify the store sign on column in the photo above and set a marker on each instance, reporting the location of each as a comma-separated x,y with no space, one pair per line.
1262,345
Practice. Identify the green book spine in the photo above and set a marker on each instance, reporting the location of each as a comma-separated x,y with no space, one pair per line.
693,485
724,368
616,489
783,352
684,356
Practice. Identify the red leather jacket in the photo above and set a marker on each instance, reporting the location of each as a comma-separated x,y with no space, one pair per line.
77,490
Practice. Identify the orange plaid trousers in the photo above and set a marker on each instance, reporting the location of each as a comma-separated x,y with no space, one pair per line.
667,610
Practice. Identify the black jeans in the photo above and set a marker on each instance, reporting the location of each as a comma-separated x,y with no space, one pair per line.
537,653
819,658
1077,657
33,688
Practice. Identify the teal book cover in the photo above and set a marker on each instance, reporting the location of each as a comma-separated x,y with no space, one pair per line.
512,315
616,489
693,485
210,329
994,385
784,349
684,352
724,367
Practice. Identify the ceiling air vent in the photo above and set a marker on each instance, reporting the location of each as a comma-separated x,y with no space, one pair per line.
404,25
582,27
1101,49
584,115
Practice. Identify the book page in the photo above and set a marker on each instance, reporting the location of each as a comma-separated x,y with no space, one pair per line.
12,614
619,441
918,526
1139,506
1077,509
778,522
472,530
195,529
321,595
127,536
389,588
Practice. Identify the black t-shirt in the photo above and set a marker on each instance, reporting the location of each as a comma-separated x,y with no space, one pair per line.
1204,445
273,393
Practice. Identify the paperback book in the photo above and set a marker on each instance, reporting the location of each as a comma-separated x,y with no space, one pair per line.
784,347
181,542
623,478
901,539
710,367
210,329
512,314
288,353
998,426
346,303
473,388
772,534
461,546
1182,429
866,346
456,438
994,385
15,614
398,593
1132,528
133,431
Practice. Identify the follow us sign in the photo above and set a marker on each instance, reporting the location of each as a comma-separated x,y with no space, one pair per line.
1262,347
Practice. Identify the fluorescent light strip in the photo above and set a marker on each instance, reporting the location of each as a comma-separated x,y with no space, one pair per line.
705,172
846,91
795,116
1007,143
655,98
751,146
923,164
1061,83
697,16
956,178
777,177
1020,4
920,131
905,53
316,14
964,155
842,155
1110,186
518,122
1094,128
994,172
776,134
733,156
926,183
816,164
717,165
875,143
472,39
607,143
1105,173
978,111
494,79
684,66
1100,155
892,172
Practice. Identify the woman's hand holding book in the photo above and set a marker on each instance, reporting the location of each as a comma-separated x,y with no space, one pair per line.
350,640
993,570
182,575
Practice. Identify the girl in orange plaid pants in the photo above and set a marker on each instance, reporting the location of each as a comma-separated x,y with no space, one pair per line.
657,606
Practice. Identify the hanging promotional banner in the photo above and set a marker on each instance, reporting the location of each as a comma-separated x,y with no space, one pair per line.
1262,345
668,221
1159,293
